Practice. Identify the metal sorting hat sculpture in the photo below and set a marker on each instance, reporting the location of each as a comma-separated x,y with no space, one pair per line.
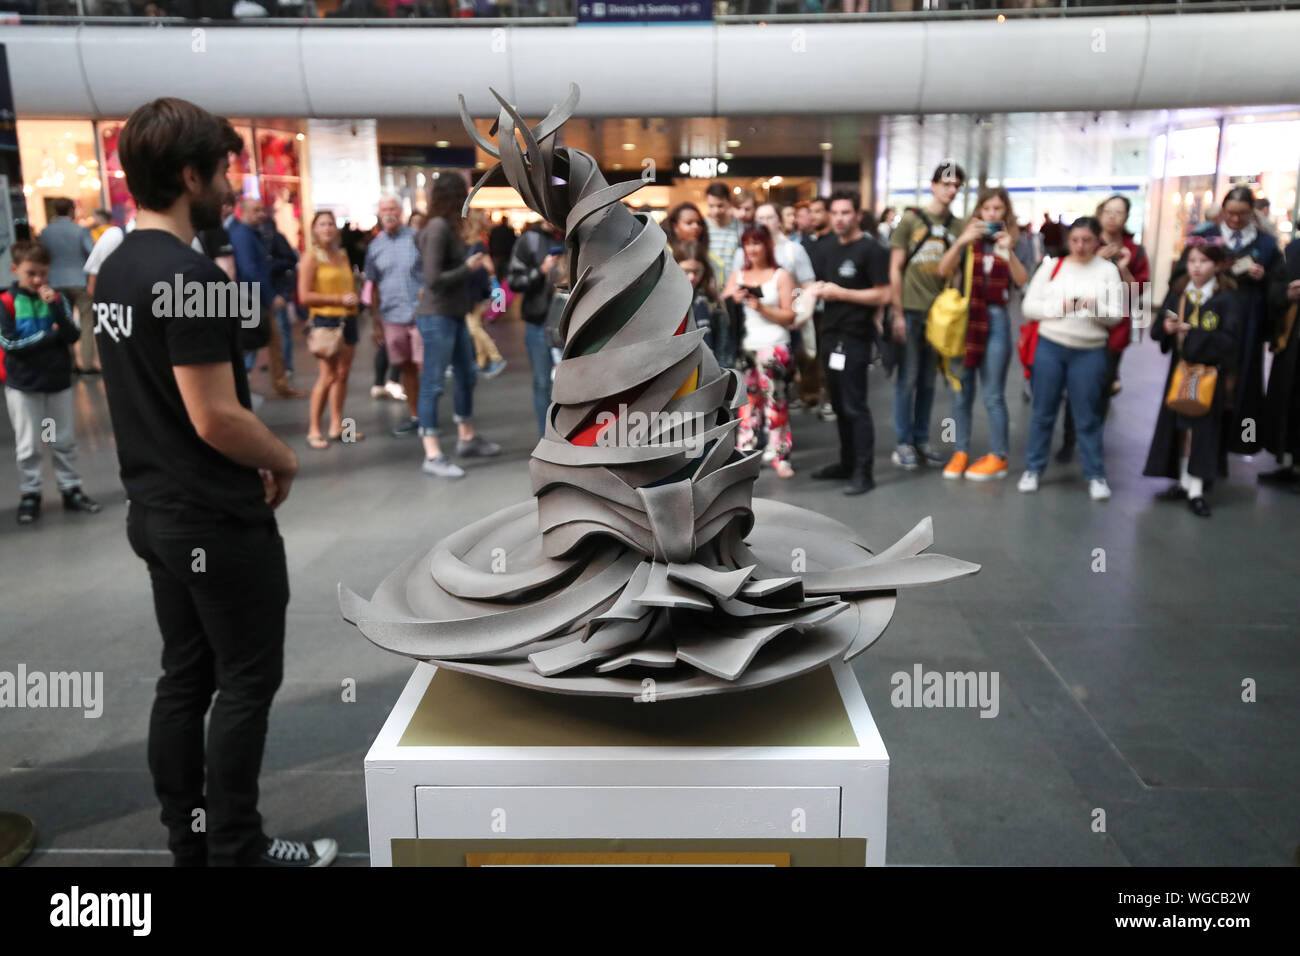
644,552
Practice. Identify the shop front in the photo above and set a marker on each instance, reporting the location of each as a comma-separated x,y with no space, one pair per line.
78,160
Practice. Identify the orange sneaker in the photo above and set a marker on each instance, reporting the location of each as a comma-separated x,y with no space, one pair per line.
988,468
956,465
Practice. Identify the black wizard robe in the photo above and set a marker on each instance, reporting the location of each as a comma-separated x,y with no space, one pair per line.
1281,425
1212,340
1258,304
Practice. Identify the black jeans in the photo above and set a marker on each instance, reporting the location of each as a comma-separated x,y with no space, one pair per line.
848,394
384,372
220,591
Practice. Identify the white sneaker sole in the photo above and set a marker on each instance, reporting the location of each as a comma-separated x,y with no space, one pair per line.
954,475
995,476
331,852
899,462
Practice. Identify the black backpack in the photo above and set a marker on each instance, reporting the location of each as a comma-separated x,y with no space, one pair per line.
929,228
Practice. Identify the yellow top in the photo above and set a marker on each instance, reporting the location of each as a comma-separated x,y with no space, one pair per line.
332,279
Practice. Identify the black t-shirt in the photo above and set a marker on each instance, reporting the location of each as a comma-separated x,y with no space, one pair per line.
216,242
813,244
860,264
141,335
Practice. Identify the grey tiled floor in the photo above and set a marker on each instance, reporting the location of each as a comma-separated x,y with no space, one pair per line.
1119,691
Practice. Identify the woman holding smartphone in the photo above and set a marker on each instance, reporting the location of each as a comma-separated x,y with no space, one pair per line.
1199,324
1076,300
766,292
1120,247
989,236
1255,264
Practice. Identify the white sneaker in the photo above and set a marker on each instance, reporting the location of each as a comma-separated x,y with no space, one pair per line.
395,391
1098,490
378,391
1028,481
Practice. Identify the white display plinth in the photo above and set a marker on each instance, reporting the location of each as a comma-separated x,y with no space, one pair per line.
470,772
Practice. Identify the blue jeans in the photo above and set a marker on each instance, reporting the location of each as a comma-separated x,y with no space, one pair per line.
1081,373
286,335
446,342
992,375
914,386
539,356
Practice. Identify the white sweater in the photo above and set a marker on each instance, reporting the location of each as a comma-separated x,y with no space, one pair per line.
1051,302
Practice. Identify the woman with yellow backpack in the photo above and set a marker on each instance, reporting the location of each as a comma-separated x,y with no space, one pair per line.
984,353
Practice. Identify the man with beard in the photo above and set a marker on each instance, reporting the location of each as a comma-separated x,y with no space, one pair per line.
203,476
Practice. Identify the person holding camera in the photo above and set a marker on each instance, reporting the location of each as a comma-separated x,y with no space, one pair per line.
988,237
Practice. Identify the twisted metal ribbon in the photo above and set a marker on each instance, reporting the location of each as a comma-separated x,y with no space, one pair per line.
644,550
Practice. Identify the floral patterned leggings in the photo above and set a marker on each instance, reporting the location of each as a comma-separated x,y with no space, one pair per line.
769,376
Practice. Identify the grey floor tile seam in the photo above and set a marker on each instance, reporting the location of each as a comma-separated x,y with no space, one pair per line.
1101,732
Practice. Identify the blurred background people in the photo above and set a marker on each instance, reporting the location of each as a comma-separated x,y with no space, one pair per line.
327,288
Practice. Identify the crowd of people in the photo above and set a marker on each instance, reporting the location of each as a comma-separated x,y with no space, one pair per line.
802,299
803,302
813,296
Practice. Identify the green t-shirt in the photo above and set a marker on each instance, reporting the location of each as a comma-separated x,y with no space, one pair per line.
921,280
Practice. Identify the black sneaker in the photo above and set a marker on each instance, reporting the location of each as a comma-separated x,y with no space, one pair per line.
832,472
295,853
29,508
78,500
408,427
477,447
858,485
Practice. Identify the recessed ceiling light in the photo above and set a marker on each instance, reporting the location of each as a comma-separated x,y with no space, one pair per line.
629,146
442,143
825,145
733,144
726,155
301,137
618,165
